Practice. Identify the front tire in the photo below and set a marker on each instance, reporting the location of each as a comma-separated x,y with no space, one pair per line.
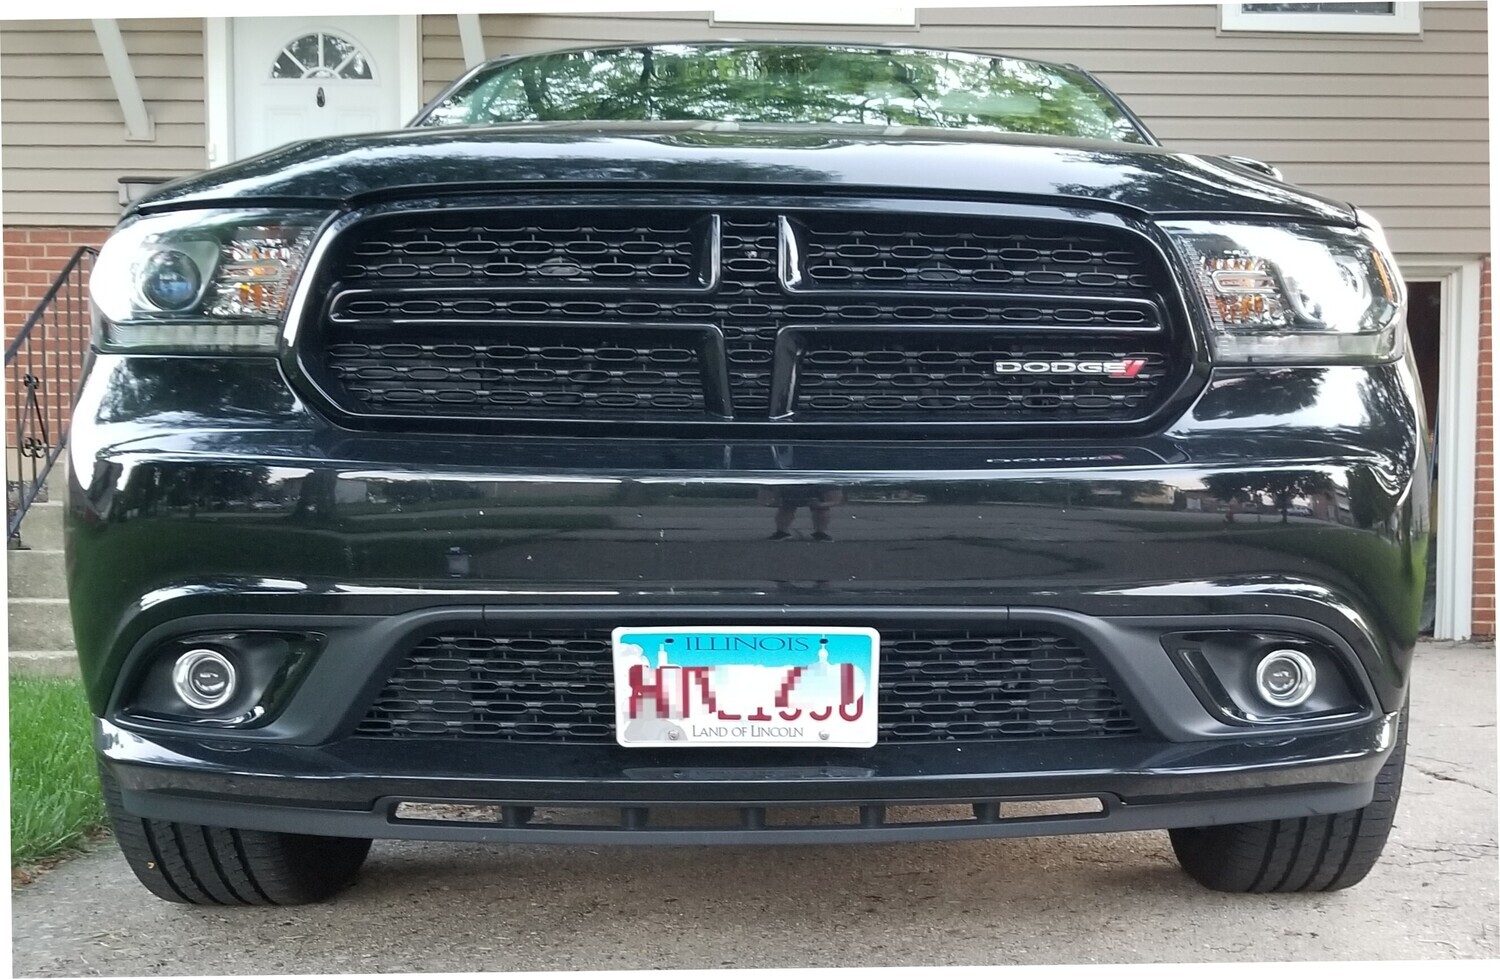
191,864
1313,853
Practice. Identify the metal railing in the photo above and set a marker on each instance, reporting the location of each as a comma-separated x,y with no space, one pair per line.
44,365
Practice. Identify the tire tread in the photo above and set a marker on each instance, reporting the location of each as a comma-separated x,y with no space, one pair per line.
188,863
1311,853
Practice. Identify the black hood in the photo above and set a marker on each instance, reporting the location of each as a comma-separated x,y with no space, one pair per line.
347,170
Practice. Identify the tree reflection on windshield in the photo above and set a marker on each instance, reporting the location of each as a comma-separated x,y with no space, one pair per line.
791,83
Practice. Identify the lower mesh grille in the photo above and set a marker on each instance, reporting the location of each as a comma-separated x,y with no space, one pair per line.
523,376
548,685
955,375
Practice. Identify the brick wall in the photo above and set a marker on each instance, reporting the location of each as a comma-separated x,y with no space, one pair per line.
1484,480
32,259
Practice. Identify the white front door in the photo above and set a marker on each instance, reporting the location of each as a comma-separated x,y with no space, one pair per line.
306,77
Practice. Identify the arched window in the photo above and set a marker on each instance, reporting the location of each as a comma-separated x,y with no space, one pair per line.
322,55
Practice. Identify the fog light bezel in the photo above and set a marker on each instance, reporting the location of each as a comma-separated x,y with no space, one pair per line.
269,665
1307,680
182,679
1220,666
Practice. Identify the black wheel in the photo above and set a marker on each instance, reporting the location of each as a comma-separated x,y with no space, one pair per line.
193,864
1313,853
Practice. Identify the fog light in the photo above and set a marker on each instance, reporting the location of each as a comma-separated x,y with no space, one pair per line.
1285,677
204,678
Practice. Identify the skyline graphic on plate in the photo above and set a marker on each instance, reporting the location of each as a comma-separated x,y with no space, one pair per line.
710,648
745,685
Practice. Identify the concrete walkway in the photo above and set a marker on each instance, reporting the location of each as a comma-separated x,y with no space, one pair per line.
1098,899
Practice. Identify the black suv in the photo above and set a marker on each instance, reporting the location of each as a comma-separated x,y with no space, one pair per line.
737,443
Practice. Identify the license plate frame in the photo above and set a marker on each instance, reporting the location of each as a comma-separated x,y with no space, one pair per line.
734,686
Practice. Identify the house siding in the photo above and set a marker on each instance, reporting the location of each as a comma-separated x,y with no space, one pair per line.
1396,124
61,124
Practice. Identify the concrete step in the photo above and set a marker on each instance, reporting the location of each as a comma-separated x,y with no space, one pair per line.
55,487
47,662
43,527
36,573
40,623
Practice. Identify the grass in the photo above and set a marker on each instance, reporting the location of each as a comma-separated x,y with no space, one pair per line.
54,786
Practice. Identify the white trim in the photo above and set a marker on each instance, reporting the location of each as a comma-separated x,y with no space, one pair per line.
1405,18
409,66
218,90
138,122
218,58
471,37
1458,428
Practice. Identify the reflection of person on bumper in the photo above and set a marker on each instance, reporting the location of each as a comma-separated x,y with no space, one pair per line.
819,500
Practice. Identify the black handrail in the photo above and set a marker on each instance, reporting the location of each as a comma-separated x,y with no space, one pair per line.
46,363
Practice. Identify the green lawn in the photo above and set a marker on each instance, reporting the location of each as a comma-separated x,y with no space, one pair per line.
54,786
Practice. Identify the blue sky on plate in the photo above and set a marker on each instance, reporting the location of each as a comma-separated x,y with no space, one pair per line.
842,648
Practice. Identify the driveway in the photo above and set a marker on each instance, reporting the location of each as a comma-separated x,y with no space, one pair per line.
1116,898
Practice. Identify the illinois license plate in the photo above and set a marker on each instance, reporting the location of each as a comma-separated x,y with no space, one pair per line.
700,685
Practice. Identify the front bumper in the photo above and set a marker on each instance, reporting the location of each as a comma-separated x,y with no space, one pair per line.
263,515
306,770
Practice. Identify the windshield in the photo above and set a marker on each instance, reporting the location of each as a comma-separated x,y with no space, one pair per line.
790,83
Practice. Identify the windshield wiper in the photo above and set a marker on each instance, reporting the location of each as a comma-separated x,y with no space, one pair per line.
904,77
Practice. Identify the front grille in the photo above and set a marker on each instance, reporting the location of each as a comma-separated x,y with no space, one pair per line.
531,251
740,316
557,686
942,373
930,254
526,373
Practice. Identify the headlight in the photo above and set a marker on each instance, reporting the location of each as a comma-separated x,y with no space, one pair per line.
200,280
1295,293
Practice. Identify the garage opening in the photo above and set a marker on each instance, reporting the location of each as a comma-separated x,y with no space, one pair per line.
1424,323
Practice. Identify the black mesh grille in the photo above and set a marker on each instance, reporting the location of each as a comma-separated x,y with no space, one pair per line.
550,251
740,316
558,686
524,373
931,255
956,374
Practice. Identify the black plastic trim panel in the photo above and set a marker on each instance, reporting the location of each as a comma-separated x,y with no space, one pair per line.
634,826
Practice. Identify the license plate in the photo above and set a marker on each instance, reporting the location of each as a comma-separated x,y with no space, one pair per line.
698,685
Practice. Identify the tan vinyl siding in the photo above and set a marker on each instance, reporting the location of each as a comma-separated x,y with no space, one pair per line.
61,124
1396,124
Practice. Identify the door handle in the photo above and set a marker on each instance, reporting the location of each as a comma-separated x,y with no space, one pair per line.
321,100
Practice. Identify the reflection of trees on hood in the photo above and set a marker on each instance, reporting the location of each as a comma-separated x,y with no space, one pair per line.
1389,404
1275,392
1371,501
207,389
317,497
1132,490
1281,487
190,491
